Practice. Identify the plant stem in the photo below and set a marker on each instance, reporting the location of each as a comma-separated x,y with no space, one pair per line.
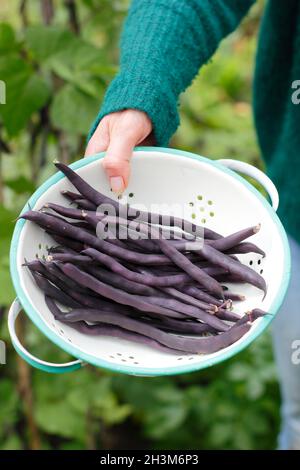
34,134
23,13
64,150
25,391
47,11
1,181
90,431
73,16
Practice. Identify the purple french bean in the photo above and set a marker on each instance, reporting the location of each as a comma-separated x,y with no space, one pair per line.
85,204
69,258
189,310
51,223
181,296
67,242
228,242
245,247
147,279
235,268
251,316
53,291
233,296
112,331
180,259
116,281
200,294
182,343
115,294
98,199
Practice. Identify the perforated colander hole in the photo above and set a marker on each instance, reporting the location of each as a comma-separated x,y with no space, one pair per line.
136,363
212,214
119,354
131,357
40,246
112,357
199,197
69,339
130,194
179,358
123,360
261,271
209,202
61,331
259,261
203,221
191,358
191,204
251,262
202,209
193,216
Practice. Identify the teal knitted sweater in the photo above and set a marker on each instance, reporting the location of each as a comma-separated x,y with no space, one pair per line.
165,42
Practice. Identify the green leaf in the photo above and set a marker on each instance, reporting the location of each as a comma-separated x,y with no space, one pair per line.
65,53
33,97
110,411
20,185
73,111
83,80
13,442
78,55
26,93
14,71
72,445
219,433
164,419
45,41
255,388
78,65
59,419
99,398
106,71
9,400
77,399
8,219
165,412
238,372
7,38
7,293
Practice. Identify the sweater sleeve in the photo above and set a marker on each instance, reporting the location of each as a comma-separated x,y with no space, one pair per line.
163,45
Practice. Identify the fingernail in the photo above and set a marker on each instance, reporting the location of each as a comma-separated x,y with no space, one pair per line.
117,184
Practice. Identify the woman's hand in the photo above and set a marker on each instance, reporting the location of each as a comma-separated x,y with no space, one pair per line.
117,134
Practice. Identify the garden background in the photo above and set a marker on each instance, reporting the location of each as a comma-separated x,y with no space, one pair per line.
56,58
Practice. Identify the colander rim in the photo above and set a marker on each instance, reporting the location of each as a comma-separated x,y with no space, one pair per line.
136,370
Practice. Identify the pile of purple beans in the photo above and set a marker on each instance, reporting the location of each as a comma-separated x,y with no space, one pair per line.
159,291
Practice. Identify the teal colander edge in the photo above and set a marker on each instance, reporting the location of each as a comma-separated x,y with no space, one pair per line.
142,371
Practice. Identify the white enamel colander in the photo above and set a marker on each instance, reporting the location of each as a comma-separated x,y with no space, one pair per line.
217,197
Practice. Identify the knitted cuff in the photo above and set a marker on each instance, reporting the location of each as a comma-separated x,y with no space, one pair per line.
153,96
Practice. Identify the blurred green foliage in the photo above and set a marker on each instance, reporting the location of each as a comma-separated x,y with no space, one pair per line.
57,58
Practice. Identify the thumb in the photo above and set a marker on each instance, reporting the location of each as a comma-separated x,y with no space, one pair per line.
116,162
99,140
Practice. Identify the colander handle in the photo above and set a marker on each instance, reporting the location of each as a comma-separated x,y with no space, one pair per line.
13,314
255,173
